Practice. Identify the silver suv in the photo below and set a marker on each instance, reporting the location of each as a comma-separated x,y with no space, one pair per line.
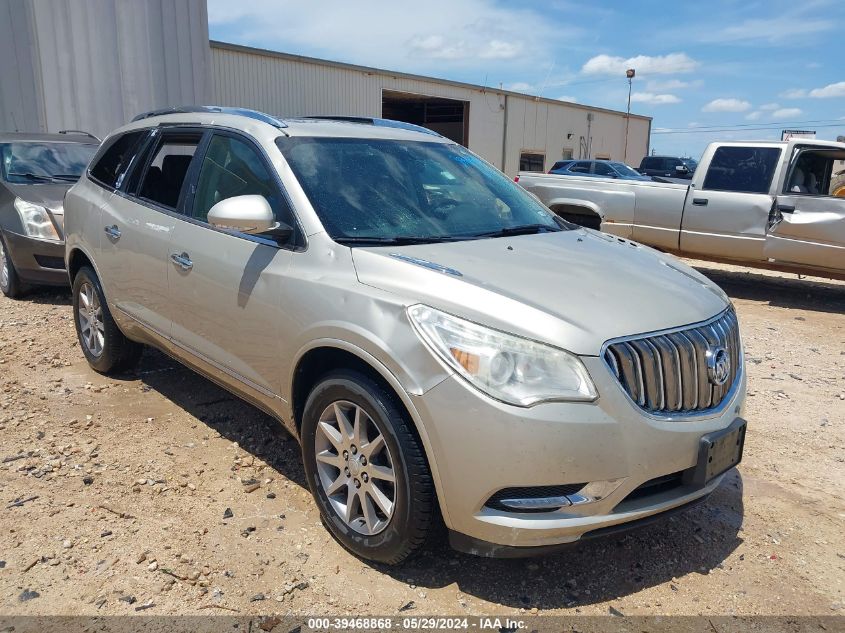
443,346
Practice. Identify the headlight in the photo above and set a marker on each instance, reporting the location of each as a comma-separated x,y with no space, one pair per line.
509,368
36,220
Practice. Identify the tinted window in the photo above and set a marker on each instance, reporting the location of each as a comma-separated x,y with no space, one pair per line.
531,162
650,163
603,169
582,167
742,169
166,172
372,189
116,159
233,168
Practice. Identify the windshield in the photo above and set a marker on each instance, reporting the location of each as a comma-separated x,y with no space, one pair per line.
388,190
624,170
44,161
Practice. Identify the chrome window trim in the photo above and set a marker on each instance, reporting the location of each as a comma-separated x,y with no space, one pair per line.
727,399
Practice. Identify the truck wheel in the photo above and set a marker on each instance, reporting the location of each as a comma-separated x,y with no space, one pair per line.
105,347
10,283
366,468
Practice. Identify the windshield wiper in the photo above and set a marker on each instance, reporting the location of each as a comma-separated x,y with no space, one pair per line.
68,177
31,176
523,229
392,241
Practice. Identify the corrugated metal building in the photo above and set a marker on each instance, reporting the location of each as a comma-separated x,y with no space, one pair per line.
500,125
94,64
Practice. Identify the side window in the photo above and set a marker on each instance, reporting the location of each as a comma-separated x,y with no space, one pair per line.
530,161
603,169
649,163
815,173
162,182
582,167
742,169
230,168
111,165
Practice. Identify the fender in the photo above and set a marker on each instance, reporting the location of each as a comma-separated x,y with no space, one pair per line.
578,202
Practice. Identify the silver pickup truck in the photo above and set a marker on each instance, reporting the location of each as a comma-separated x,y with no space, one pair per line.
778,205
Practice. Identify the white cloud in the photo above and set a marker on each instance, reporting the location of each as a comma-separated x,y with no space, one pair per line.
521,86
693,124
770,106
753,116
643,64
568,98
727,105
787,113
653,99
784,28
658,85
830,90
442,34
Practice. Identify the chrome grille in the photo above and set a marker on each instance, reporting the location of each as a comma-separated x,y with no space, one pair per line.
667,373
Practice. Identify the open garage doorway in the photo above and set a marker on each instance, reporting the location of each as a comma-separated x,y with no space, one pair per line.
448,117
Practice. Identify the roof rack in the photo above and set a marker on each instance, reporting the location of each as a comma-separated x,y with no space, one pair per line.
82,132
252,114
365,120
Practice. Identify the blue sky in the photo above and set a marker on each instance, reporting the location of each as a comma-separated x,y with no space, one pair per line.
700,65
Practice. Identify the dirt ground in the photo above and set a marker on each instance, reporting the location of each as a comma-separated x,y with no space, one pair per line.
132,496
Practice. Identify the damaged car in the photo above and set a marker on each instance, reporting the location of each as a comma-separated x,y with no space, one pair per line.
445,349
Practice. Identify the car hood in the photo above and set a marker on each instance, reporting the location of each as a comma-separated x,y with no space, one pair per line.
575,289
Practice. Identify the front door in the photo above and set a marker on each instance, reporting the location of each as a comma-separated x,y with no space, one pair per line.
807,226
225,287
727,208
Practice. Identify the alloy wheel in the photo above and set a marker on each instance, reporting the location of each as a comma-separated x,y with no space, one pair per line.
89,312
5,275
354,467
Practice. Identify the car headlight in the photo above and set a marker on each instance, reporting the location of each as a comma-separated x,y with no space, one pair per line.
509,368
36,220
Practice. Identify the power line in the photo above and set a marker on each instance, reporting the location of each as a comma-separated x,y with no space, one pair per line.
772,125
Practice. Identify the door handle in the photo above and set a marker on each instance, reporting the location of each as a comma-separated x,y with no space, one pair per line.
113,232
786,208
700,202
183,260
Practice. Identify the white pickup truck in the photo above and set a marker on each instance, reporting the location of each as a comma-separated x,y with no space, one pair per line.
777,205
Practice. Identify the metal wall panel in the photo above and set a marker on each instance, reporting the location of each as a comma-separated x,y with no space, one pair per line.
288,85
20,102
97,63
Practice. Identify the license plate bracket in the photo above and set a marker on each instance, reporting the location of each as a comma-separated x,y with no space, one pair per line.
718,452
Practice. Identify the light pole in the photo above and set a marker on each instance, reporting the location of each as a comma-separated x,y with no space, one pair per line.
630,74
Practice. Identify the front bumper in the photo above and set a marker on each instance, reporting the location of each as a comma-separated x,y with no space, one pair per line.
482,446
37,261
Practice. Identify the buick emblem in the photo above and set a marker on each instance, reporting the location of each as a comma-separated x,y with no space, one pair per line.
718,365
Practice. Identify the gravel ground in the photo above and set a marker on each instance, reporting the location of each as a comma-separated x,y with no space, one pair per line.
158,492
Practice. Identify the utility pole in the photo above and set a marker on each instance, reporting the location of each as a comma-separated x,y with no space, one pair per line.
630,74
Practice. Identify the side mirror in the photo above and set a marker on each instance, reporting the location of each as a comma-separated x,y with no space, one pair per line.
682,169
247,214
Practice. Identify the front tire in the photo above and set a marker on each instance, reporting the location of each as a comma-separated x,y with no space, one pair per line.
10,283
366,468
105,347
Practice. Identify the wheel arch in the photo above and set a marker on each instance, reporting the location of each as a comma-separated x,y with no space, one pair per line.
325,355
581,212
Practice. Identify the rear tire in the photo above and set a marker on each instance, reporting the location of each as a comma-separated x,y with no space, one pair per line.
367,513
105,347
10,283
837,186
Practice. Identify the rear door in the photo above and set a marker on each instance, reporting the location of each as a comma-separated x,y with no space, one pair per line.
728,205
226,288
807,226
138,224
